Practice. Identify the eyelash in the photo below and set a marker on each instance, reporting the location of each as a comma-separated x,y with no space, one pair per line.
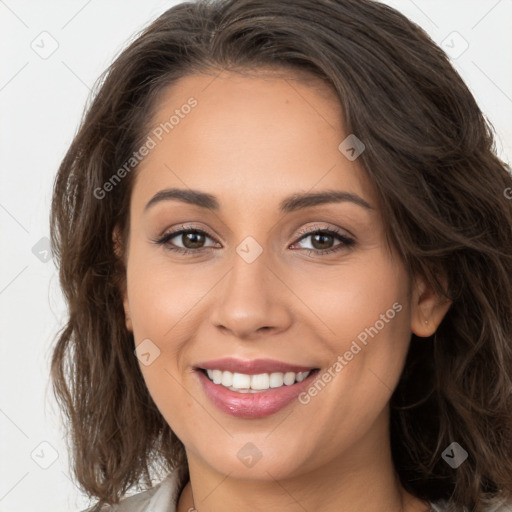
346,241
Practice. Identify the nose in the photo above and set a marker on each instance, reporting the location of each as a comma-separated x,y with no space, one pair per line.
251,300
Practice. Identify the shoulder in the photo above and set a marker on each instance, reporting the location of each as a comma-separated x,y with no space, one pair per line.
136,503
162,497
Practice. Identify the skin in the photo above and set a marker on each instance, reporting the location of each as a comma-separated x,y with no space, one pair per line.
252,141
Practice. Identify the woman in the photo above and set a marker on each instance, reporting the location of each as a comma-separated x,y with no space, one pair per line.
285,242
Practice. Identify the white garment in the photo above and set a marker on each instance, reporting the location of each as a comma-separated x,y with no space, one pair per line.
161,498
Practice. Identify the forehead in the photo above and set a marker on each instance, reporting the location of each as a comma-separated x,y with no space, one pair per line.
259,133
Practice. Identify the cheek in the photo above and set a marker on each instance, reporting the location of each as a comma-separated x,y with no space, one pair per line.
348,298
366,309
163,300
160,294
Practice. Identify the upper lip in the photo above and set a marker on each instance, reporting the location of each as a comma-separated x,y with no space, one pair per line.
251,367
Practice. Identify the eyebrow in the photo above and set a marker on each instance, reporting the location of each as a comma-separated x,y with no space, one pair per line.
290,204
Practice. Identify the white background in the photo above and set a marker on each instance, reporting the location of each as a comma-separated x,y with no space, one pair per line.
41,103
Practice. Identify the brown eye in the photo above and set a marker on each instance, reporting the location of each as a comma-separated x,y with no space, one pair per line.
322,241
192,240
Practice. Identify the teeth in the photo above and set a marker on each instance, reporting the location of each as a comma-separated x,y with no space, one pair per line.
289,378
260,381
244,383
240,380
227,379
276,380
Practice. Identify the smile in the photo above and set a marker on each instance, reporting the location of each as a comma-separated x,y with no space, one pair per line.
253,389
244,383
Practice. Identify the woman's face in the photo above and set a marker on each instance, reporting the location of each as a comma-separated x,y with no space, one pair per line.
305,284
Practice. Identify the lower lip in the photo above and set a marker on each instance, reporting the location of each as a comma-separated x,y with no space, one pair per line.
253,405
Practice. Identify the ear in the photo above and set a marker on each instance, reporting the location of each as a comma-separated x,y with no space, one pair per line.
119,252
428,308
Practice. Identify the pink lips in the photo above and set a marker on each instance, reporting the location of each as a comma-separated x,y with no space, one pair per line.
252,367
252,405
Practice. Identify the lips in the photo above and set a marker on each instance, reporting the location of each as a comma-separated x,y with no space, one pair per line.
252,367
255,404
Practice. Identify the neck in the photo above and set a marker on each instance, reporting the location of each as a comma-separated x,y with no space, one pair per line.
361,478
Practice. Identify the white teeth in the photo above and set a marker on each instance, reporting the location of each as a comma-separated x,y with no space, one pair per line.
241,380
260,381
227,379
217,376
289,378
276,380
244,383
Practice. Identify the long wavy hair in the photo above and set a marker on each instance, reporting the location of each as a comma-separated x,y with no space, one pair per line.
445,199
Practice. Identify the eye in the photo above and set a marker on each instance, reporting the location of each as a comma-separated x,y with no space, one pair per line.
193,240
322,239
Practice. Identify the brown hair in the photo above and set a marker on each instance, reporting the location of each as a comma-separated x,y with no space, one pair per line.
430,154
